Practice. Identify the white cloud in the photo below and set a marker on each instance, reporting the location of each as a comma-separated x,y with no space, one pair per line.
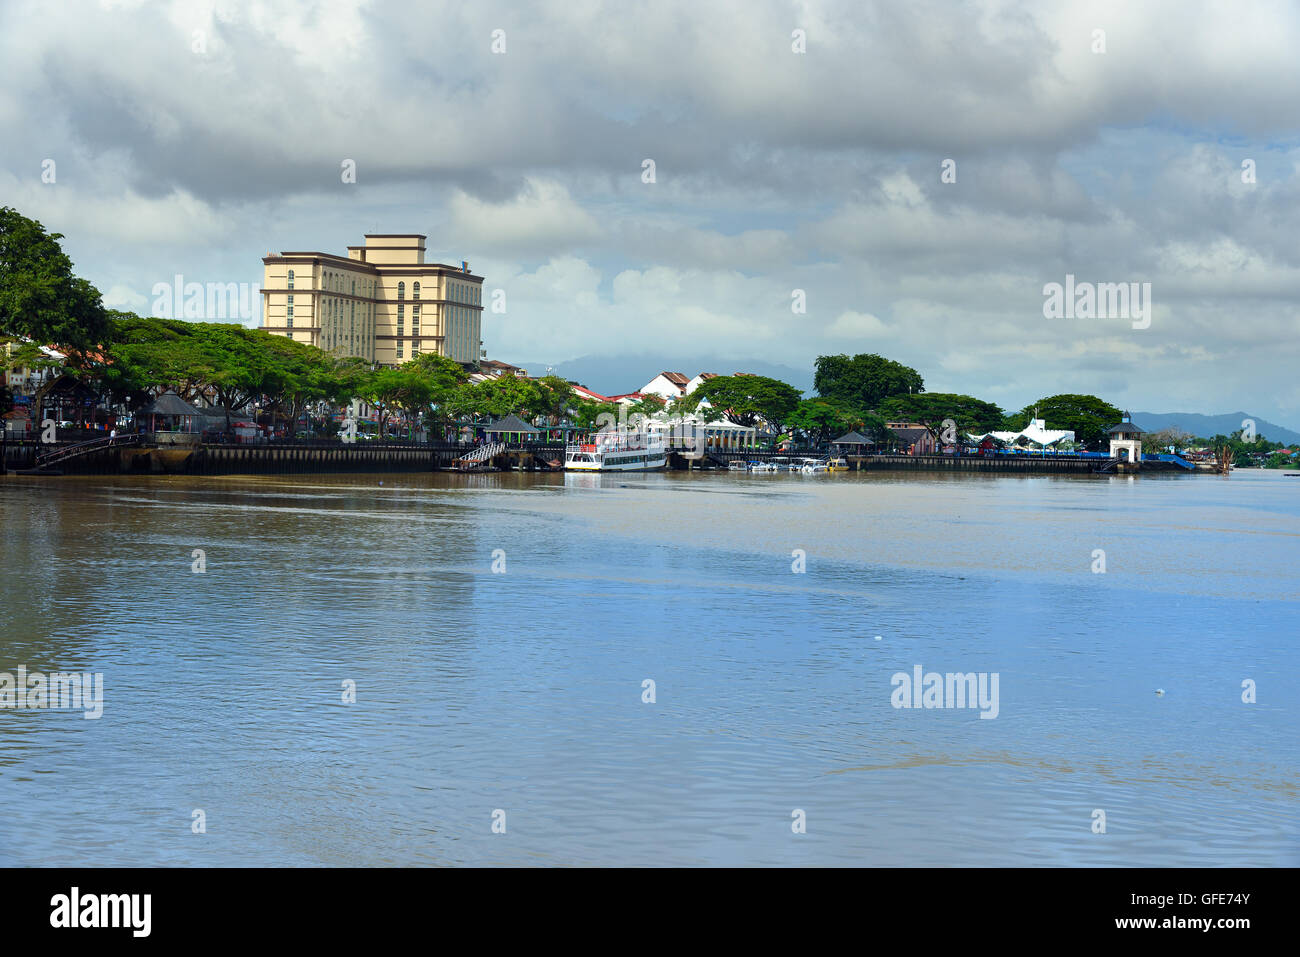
856,325
775,170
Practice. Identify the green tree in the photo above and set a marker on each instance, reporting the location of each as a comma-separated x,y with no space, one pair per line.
932,408
648,406
554,398
40,298
384,388
303,375
1086,415
824,419
583,412
444,377
1249,454
746,399
1155,442
864,380
498,397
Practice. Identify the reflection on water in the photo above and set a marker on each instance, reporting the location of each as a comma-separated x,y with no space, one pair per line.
521,688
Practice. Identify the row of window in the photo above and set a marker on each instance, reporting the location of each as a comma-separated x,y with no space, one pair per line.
458,292
334,283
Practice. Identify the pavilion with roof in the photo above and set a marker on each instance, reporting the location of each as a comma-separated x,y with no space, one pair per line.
1125,440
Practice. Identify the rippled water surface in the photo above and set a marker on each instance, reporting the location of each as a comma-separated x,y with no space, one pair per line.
521,690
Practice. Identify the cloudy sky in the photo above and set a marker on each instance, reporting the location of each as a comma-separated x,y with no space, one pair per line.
195,137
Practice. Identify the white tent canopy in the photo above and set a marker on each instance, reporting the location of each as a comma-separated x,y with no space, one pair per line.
1036,433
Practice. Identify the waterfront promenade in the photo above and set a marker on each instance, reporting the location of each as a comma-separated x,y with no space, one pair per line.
143,457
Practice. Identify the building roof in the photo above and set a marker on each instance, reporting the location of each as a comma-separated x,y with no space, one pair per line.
1125,426
911,435
511,423
852,438
586,393
169,403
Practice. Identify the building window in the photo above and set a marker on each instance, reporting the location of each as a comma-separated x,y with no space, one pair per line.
290,279
415,291
399,348
415,347
354,287
415,320
401,290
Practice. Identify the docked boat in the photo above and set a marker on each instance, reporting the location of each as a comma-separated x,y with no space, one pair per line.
763,467
837,465
813,466
737,466
618,452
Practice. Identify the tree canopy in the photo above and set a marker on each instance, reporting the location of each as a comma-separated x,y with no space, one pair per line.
40,298
826,419
746,399
864,380
1088,416
932,408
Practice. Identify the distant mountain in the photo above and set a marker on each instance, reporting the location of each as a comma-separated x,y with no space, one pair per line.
1207,426
616,375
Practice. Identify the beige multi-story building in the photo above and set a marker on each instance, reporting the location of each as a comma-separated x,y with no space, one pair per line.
381,302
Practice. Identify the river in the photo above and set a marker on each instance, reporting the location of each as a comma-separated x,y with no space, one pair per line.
500,634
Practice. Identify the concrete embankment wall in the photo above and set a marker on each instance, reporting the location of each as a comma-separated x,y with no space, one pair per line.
289,459
1027,464
242,459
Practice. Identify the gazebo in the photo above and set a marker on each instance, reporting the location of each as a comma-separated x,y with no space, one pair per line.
176,414
1125,440
852,443
511,429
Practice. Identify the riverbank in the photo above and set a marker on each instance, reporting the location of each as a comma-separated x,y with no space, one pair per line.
363,457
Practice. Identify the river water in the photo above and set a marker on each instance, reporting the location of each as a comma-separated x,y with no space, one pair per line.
500,630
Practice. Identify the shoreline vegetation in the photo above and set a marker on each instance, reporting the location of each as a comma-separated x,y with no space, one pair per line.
107,364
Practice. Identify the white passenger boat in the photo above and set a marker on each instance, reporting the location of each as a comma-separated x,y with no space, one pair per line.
763,467
813,466
618,452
